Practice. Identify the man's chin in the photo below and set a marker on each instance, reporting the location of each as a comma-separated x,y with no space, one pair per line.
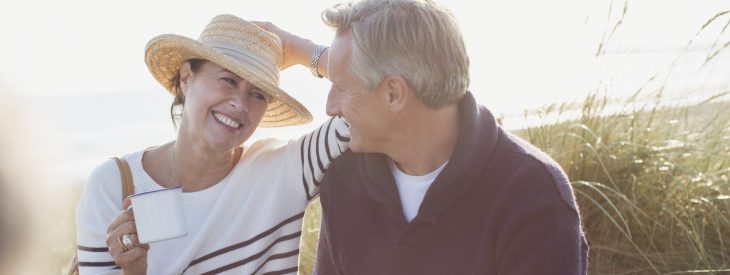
364,150
357,147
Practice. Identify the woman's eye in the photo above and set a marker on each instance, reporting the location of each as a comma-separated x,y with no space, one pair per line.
229,81
259,95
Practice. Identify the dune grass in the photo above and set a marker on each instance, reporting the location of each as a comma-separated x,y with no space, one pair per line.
652,182
310,237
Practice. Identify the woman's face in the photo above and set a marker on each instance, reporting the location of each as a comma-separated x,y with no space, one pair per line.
221,109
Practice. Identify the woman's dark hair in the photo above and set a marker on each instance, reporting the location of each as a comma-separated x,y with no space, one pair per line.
179,100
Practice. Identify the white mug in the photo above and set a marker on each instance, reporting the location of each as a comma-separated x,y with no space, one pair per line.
159,215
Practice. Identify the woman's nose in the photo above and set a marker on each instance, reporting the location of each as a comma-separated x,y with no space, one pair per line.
239,102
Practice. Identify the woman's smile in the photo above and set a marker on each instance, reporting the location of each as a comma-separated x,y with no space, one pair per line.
226,120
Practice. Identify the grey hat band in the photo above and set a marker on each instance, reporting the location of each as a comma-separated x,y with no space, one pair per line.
248,59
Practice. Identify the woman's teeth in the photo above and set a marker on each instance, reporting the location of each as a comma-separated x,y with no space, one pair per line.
227,121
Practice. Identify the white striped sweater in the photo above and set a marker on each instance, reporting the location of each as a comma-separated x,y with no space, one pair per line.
249,223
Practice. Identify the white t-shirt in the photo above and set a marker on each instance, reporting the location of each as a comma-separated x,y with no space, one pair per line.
412,189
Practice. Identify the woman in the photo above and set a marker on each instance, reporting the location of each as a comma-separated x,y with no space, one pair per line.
244,205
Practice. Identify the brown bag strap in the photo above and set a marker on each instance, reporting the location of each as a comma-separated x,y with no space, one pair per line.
127,186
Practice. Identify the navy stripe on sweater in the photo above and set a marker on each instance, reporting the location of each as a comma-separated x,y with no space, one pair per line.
246,242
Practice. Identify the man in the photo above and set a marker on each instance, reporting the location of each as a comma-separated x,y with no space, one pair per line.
433,185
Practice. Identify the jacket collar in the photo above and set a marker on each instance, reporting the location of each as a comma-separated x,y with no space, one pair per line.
477,140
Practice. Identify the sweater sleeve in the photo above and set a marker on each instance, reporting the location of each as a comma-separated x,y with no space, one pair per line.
100,202
318,149
548,242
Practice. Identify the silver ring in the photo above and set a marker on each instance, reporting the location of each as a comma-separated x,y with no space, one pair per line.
126,242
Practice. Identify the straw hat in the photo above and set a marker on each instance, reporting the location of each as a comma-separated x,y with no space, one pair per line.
239,46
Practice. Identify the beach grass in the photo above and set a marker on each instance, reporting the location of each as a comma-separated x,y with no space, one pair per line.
652,182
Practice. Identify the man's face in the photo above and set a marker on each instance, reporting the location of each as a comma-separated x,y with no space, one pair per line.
365,111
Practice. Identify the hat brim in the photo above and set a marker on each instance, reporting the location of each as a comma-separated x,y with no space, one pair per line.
165,54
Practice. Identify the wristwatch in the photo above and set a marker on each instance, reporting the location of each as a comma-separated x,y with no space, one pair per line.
316,54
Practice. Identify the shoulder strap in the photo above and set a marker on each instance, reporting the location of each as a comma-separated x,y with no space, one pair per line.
127,186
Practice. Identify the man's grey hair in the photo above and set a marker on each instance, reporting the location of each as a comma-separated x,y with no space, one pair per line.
415,39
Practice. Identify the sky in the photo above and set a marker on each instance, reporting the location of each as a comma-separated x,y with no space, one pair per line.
77,67
544,50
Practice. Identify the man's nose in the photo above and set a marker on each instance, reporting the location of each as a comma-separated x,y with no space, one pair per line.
334,100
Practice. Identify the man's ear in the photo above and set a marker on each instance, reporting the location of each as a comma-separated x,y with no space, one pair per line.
185,75
397,92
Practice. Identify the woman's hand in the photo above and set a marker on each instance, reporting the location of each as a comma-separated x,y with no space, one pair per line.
133,261
297,50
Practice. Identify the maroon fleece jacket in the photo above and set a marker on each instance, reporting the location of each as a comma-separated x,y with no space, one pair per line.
500,206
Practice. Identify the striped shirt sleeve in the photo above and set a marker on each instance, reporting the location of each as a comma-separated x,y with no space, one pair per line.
100,202
318,149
